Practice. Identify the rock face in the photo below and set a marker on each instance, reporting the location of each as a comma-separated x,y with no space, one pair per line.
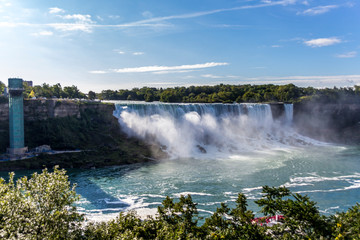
4,112
70,125
339,123
277,110
44,118
35,110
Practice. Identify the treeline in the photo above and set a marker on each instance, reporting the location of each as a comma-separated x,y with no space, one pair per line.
221,93
234,93
42,207
54,91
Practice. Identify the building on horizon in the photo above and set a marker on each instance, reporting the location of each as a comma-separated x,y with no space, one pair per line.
29,83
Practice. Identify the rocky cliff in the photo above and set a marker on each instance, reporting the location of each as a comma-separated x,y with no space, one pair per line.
339,123
35,110
69,125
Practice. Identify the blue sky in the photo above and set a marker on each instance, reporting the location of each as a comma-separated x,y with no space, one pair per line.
118,44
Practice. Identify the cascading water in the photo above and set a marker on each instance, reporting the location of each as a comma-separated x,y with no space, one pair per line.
189,130
289,112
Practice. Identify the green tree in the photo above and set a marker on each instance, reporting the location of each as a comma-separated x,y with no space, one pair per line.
27,89
251,97
38,208
57,90
302,217
149,95
73,92
2,87
348,224
91,95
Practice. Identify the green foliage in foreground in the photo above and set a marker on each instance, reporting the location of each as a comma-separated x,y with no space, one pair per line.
38,208
42,208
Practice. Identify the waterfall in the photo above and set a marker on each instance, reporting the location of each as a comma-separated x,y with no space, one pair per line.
289,111
188,130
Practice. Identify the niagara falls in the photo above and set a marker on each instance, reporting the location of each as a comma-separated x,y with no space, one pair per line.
215,151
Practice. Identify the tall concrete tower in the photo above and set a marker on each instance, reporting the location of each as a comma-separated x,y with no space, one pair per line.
16,116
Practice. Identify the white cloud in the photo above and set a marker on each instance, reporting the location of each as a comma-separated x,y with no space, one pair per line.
55,10
8,24
318,10
347,55
43,33
168,68
98,72
305,81
301,81
71,27
138,53
322,42
80,22
79,18
305,2
147,14
121,52
175,71
275,46
210,76
4,3
216,76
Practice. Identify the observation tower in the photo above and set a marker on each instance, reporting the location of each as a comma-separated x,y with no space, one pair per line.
16,117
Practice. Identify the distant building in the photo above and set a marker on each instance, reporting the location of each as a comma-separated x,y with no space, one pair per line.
29,83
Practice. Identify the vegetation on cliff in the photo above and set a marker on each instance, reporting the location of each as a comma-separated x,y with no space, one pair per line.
221,93
42,207
235,93
54,91
2,87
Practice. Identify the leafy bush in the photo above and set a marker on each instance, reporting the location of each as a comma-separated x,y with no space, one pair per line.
39,207
42,208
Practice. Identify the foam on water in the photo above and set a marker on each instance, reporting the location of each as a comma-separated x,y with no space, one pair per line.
318,184
192,194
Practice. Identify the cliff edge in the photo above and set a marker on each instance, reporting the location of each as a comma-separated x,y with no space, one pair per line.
73,125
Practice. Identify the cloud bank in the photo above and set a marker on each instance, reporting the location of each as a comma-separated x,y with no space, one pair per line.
322,42
347,55
164,69
55,10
